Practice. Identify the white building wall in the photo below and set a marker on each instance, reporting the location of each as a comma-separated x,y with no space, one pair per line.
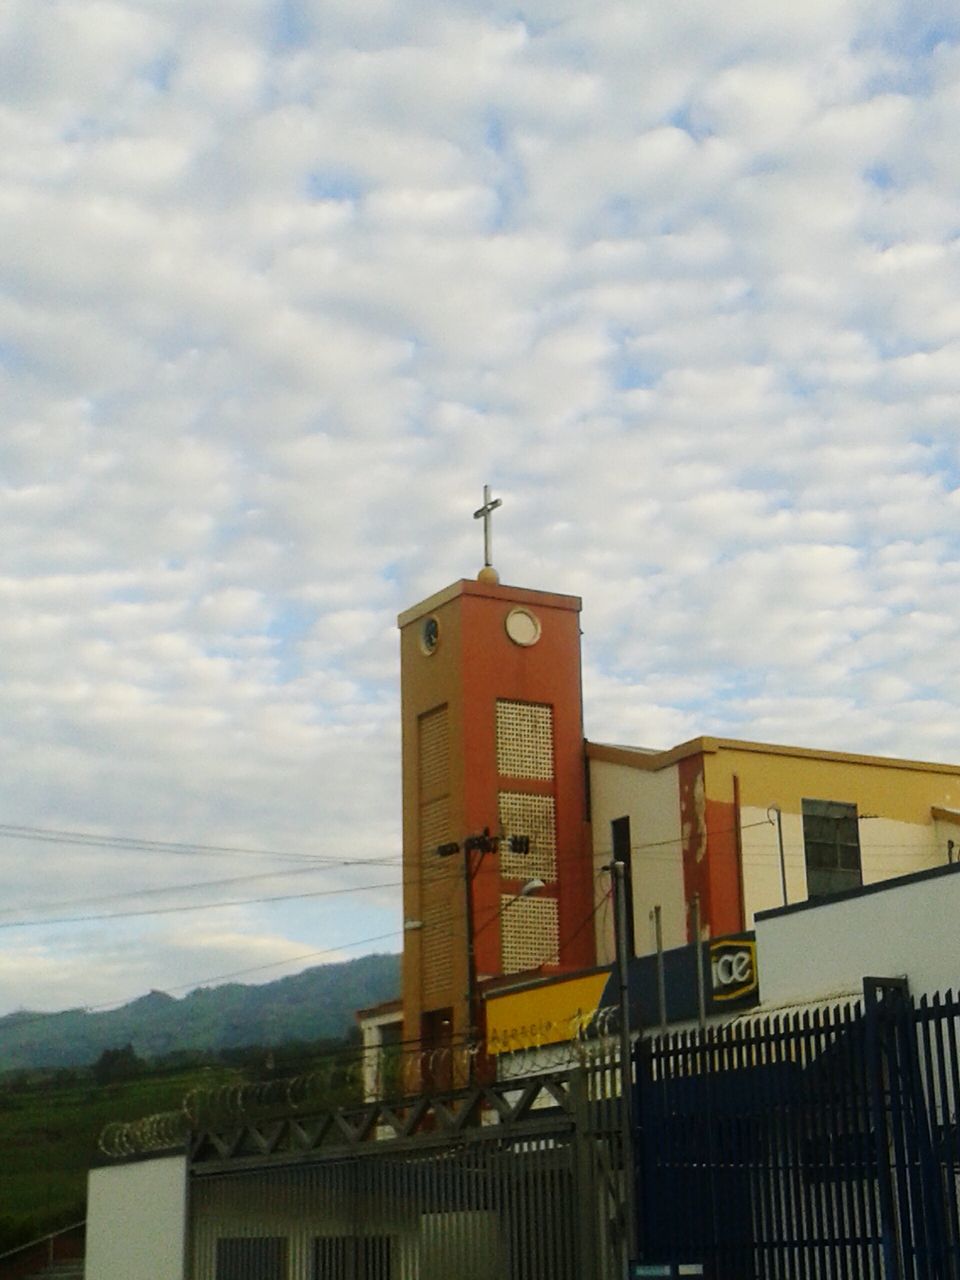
137,1221
651,800
901,928
372,1029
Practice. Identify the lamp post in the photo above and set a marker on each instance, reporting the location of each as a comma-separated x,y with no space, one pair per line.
618,876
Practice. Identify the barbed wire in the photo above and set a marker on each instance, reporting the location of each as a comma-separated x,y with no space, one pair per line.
587,1038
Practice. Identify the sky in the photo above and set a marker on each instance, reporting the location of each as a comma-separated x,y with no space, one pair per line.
284,283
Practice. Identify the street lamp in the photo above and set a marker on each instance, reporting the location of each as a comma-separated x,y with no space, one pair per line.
532,886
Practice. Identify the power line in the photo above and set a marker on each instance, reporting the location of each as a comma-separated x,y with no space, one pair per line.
6,1024
681,839
53,835
453,877
330,1055
201,906
175,888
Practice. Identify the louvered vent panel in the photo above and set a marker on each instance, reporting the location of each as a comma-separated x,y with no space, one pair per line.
524,740
528,932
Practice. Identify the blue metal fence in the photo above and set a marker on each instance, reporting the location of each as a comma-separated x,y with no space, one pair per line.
822,1143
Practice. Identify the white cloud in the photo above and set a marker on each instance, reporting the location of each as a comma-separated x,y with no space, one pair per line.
283,289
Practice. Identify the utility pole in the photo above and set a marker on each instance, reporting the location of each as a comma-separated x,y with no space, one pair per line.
481,844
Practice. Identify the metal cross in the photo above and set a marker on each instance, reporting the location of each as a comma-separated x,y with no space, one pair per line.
485,513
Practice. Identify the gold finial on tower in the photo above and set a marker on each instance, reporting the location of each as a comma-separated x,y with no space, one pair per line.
488,573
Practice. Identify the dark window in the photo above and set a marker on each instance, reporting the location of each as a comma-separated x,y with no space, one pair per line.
242,1258
436,1040
351,1258
831,845
620,833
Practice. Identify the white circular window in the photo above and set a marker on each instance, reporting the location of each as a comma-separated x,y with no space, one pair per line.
523,627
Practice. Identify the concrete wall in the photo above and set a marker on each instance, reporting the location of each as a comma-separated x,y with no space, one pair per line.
137,1221
908,927
651,800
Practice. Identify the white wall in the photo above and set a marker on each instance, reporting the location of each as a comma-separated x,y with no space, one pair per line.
372,1032
137,1220
651,800
910,928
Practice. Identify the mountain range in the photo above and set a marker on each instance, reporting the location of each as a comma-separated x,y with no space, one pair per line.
318,1003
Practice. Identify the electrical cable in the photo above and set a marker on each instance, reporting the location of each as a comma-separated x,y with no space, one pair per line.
452,877
16,1024
235,902
658,844
175,888
53,835
11,1021
201,906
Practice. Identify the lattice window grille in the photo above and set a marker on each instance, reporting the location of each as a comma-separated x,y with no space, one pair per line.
534,816
529,932
524,740
434,826
437,954
438,887
435,879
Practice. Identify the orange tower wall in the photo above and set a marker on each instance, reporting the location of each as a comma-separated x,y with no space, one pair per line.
475,663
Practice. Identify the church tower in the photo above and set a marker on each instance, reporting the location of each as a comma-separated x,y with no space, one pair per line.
492,725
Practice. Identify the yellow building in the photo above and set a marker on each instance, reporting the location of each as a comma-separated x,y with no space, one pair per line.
708,820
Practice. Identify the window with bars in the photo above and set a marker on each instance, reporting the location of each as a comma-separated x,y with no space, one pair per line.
831,847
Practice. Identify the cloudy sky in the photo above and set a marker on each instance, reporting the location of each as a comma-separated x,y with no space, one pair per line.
283,284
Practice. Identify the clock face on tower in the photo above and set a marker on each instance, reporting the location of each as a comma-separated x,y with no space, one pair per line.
523,627
429,636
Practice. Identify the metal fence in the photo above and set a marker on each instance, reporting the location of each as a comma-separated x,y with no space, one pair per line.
526,1186
822,1143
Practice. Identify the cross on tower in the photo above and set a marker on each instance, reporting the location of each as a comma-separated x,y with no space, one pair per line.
485,514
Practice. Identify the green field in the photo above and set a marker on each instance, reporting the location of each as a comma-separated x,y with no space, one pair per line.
50,1120
49,1130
